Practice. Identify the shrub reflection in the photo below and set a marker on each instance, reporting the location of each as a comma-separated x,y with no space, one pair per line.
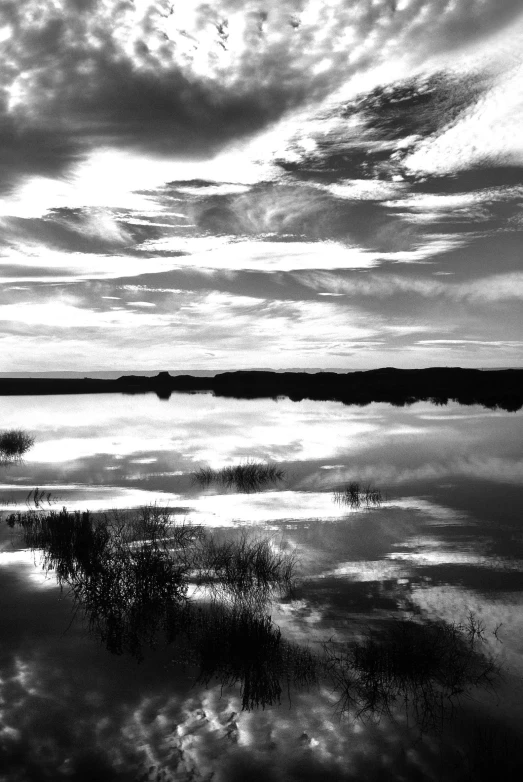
139,577
425,666
14,444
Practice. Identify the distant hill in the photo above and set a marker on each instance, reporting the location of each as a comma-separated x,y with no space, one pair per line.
490,388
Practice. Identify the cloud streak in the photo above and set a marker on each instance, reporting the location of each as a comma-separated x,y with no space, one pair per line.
497,287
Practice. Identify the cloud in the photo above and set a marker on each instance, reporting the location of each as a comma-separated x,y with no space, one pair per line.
32,151
480,468
169,81
460,343
74,230
371,135
416,107
173,735
267,257
488,182
121,97
496,287
182,331
306,213
485,133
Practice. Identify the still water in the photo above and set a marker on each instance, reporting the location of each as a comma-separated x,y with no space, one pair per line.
446,540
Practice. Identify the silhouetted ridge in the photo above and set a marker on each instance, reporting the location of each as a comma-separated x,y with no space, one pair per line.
490,388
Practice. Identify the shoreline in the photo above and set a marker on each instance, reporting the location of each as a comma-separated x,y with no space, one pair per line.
497,388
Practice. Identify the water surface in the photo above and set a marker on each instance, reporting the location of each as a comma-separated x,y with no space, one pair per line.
446,540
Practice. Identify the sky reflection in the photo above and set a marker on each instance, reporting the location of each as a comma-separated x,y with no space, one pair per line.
107,439
446,540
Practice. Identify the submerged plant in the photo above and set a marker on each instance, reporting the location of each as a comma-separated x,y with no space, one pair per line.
247,477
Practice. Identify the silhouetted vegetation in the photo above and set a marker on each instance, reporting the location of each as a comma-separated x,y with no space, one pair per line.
426,666
490,388
247,477
130,574
14,444
38,497
355,496
240,645
242,569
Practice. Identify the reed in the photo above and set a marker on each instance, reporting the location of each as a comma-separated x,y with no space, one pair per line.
355,496
129,573
38,497
250,476
244,568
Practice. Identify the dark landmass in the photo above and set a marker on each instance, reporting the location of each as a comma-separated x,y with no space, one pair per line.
491,388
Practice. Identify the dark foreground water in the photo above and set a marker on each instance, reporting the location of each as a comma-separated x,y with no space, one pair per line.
446,540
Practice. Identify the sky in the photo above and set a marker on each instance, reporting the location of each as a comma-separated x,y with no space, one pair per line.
279,184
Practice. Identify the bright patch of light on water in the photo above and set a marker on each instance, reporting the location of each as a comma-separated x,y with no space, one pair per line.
270,506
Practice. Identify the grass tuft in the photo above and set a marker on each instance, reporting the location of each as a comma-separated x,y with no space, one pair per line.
244,569
247,477
355,496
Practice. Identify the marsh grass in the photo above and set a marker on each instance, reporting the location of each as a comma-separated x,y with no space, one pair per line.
355,496
129,574
426,667
71,543
14,444
38,497
244,569
247,477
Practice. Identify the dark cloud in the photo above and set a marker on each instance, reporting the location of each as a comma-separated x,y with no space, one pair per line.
404,111
28,151
479,177
303,213
81,89
484,254
334,160
194,183
25,271
419,106
169,114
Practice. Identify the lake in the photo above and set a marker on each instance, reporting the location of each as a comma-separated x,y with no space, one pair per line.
444,542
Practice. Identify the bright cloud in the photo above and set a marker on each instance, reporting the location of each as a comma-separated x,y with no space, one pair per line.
489,132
